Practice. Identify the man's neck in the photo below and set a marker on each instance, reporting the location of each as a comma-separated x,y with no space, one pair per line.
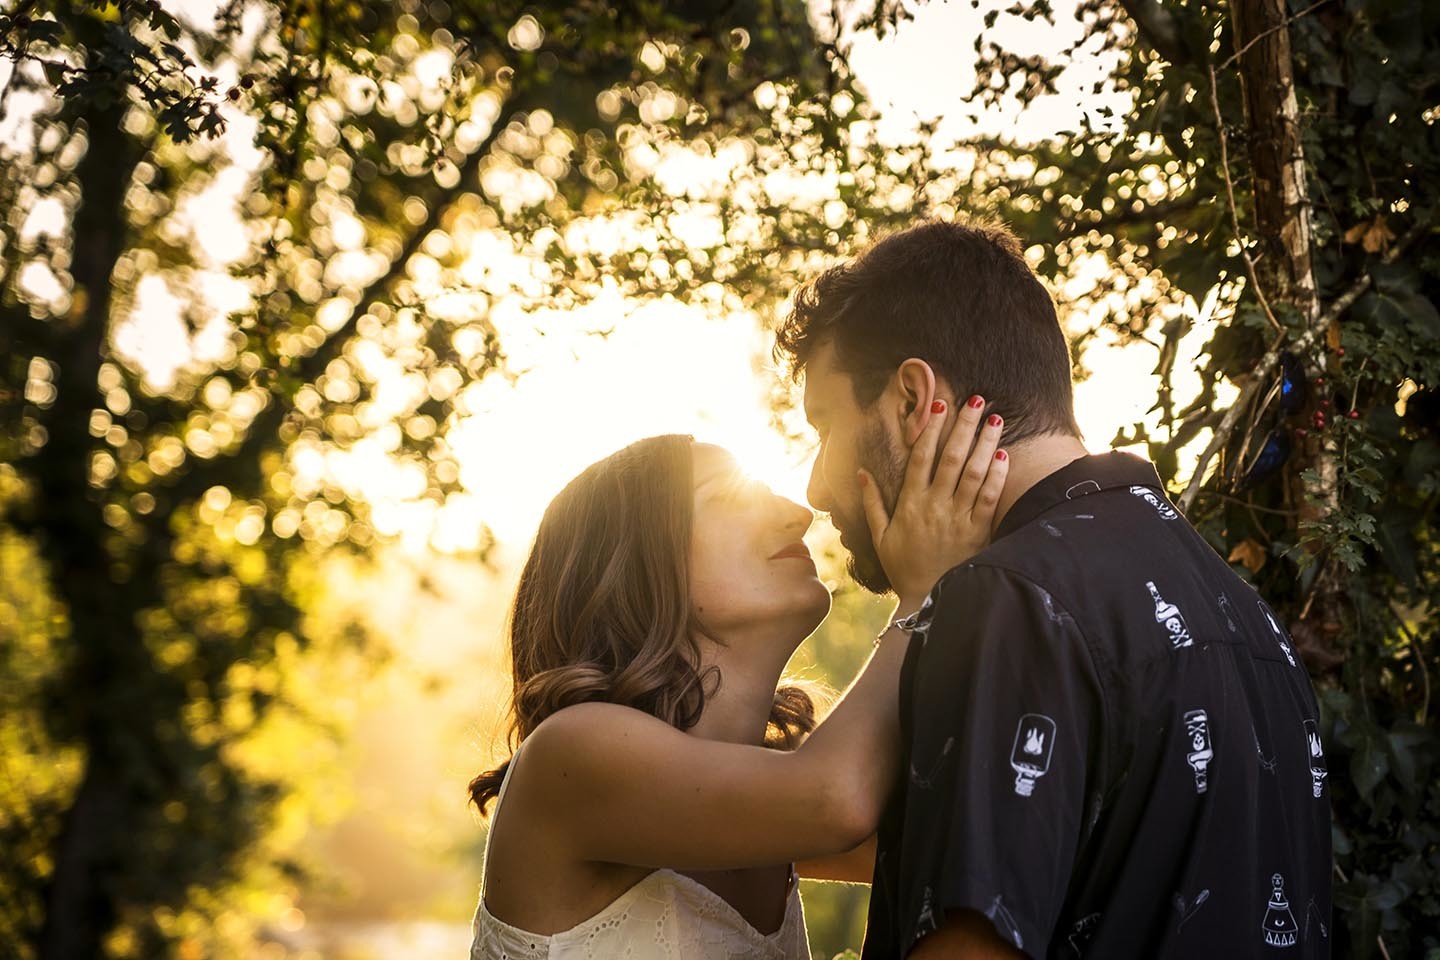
1032,461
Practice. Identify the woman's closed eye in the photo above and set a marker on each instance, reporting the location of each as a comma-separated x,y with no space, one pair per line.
743,488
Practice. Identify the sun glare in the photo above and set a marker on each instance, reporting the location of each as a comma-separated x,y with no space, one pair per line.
660,368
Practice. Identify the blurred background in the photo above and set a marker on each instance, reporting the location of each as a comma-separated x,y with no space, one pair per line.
308,308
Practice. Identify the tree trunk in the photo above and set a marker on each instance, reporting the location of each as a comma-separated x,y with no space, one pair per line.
1277,159
105,643
1283,229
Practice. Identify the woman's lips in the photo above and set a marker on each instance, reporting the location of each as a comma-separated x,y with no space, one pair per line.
797,551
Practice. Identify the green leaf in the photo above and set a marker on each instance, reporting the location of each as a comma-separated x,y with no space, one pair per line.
1368,766
1403,760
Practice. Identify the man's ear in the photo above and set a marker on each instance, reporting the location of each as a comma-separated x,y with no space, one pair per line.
916,391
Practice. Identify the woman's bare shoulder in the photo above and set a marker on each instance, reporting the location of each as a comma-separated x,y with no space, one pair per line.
587,733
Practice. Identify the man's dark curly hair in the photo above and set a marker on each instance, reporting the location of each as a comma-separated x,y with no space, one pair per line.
959,296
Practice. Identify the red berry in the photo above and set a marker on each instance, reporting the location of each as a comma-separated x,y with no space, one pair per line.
1301,432
1325,403
1319,381
1353,414
1339,351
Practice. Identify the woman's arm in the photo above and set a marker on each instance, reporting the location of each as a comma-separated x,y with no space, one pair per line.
852,866
621,786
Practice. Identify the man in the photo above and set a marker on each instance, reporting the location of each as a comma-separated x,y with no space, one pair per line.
1111,747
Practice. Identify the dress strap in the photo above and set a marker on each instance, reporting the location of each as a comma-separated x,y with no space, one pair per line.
494,818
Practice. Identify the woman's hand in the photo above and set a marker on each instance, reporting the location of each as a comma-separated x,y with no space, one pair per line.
945,511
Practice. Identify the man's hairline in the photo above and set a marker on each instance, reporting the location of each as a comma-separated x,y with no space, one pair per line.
801,362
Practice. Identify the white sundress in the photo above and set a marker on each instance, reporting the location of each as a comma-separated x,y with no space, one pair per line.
665,916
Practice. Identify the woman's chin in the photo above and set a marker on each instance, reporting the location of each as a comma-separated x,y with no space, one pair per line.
819,610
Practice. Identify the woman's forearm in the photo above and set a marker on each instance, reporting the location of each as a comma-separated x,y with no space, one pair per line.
853,755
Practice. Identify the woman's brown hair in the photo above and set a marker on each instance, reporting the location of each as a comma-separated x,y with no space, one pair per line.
602,611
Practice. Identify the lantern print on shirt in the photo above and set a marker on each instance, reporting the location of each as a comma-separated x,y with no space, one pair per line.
1279,927
1030,756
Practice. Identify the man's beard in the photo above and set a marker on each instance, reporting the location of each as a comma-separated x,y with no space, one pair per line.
887,466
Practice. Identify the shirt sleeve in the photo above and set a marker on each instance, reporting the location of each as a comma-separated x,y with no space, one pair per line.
1003,719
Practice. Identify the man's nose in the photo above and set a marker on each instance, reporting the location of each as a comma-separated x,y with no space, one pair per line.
818,491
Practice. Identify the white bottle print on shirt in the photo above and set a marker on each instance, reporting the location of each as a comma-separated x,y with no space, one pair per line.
1168,616
1279,926
1279,634
1164,509
1228,611
1318,770
1030,756
1200,752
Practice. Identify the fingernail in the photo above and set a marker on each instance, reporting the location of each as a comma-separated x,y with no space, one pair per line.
864,480
976,402
994,420
938,406
1001,455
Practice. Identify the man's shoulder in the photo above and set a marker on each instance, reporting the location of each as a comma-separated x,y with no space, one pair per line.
1024,566
1083,550
988,601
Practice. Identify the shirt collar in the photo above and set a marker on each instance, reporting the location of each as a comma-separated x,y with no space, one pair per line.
1078,478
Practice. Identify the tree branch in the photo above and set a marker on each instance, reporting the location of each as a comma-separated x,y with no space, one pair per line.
1279,26
1271,358
202,475
1230,202
1159,28
1121,216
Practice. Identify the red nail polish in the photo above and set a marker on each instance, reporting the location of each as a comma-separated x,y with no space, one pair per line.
976,402
864,480
1001,455
938,406
994,420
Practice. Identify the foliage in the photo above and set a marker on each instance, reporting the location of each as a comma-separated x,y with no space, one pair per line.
390,165
409,175
1355,575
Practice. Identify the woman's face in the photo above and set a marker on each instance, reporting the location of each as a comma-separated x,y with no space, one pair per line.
748,566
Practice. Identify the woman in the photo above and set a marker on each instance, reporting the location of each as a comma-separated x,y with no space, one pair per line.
646,812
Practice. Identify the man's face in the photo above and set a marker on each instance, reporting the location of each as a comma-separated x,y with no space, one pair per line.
850,438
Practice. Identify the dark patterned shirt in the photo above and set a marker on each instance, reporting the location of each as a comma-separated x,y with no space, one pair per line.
1112,746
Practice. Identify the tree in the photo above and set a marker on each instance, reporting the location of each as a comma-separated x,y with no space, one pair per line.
167,521
1265,209
166,527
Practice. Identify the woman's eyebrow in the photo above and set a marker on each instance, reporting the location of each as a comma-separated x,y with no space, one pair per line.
728,478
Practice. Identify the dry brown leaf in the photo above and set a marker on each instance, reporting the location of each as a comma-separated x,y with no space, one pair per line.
1378,236
1250,553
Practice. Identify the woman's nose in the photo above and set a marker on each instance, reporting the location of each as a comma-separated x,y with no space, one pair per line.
797,517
